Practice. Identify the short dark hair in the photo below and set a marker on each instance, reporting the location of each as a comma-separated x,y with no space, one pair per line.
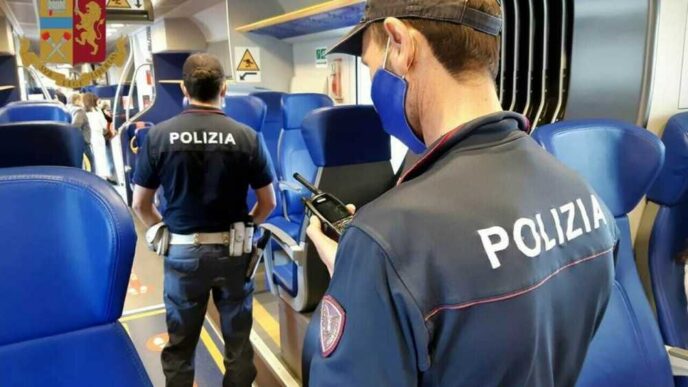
203,76
458,48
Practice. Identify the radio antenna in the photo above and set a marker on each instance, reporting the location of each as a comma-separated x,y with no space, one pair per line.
307,184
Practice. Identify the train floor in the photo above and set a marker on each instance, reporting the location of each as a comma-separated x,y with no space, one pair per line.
144,320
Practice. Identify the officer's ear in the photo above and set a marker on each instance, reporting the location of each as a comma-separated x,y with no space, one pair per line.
402,46
223,90
184,91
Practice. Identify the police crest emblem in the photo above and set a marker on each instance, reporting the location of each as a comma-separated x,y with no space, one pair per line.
332,321
72,32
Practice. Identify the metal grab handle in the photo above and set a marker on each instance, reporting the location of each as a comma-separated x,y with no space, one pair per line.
38,80
122,78
133,85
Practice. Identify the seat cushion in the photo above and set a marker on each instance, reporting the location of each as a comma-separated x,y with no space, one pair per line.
99,356
291,228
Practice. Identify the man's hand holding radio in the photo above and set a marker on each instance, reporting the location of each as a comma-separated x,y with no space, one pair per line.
327,248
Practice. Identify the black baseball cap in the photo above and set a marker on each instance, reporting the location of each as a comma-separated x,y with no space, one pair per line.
450,11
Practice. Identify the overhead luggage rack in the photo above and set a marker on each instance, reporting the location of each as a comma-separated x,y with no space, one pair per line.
330,15
142,14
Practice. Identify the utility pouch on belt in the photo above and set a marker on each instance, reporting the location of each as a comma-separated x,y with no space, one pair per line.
158,239
241,239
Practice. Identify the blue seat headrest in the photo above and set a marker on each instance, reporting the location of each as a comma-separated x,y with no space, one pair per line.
671,187
295,107
346,135
273,101
42,111
37,102
619,160
40,143
68,244
248,110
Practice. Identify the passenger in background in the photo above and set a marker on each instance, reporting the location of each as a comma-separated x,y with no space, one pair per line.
111,133
61,97
205,163
99,130
80,121
490,263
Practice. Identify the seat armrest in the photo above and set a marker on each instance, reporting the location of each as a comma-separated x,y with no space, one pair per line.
293,250
679,360
289,186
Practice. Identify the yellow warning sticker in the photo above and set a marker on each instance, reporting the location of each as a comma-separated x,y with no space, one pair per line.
118,4
248,62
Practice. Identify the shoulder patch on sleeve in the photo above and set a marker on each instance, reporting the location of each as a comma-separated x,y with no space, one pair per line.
332,321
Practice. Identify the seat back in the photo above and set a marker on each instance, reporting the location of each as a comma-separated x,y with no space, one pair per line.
621,162
33,111
252,112
67,249
669,237
130,145
351,153
41,143
273,123
292,153
248,110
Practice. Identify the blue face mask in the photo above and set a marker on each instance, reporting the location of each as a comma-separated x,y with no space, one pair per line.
389,97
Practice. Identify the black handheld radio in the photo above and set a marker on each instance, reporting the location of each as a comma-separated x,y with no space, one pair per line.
330,210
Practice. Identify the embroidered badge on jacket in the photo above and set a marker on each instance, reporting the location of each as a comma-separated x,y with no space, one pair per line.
332,320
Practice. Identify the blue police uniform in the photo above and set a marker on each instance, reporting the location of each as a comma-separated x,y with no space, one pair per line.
205,163
490,264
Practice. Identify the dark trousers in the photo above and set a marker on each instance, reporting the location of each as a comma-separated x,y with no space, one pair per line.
191,274
88,151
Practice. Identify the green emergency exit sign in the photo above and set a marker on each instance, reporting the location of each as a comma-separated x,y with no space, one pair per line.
320,57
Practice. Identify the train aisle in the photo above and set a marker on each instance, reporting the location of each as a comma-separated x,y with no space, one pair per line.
144,320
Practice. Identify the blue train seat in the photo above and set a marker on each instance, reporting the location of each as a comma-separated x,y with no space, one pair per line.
621,162
252,112
130,147
34,111
669,237
351,154
292,152
68,245
273,122
41,143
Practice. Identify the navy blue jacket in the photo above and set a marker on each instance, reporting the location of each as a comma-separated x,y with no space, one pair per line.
491,264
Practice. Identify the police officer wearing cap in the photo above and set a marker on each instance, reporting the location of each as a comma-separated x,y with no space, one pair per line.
490,263
205,163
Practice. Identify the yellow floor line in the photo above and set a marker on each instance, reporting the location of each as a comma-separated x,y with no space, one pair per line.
126,329
142,315
266,321
212,349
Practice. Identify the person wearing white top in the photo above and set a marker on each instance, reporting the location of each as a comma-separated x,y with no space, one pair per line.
99,128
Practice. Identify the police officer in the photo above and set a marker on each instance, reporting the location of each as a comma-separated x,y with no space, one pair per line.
490,264
205,163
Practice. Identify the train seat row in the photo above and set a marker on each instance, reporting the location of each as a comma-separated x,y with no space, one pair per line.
348,154
620,162
41,143
351,156
667,246
68,245
24,111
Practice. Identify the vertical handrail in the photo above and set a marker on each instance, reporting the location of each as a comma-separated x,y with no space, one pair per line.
122,78
38,80
134,83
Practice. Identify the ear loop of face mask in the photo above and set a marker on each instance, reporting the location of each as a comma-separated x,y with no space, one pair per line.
386,56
